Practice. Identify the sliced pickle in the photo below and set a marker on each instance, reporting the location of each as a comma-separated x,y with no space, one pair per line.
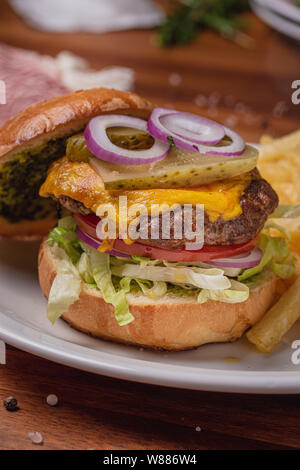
179,169
130,139
77,150
126,138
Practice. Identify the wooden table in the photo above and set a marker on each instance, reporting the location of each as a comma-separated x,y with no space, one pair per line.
219,79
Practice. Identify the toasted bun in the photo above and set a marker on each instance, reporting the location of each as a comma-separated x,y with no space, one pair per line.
173,323
56,118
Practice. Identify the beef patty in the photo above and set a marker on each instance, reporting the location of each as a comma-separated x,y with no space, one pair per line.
258,202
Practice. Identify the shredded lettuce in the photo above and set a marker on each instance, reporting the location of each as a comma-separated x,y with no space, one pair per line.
270,224
66,287
140,259
65,237
85,270
65,290
276,255
116,277
100,268
230,272
286,212
197,277
154,290
238,292
68,223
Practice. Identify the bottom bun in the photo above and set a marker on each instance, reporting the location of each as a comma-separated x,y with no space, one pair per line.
172,323
26,229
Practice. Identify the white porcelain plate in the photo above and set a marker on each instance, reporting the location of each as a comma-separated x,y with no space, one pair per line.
23,324
281,15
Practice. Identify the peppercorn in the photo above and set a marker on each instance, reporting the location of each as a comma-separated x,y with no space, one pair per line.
10,404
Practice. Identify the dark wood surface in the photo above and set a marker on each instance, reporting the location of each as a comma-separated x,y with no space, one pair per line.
102,413
96,412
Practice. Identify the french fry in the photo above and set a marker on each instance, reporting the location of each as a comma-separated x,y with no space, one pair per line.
268,332
279,163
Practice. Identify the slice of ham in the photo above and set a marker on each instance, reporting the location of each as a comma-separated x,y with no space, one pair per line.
29,78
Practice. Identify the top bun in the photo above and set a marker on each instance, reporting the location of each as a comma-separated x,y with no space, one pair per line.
64,116
58,117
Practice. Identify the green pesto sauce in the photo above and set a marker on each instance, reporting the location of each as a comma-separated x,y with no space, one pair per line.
21,179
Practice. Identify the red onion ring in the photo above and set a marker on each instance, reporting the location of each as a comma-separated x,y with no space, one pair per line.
99,232
164,123
237,147
244,261
101,147
194,128
160,132
95,244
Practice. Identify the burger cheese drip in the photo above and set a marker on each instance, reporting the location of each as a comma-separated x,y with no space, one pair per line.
75,180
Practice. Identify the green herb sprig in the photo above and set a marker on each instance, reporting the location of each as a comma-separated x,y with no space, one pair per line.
187,17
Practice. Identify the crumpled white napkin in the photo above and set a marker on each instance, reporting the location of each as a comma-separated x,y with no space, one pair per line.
88,15
75,73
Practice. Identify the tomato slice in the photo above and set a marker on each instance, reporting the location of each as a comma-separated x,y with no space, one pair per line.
205,254
88,225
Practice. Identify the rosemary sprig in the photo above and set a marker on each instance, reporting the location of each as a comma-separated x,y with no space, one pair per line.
187,17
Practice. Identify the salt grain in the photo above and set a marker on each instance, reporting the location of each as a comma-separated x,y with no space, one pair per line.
52,400
175,79
36,438
201,101
231,121
279,109
214,98
240,108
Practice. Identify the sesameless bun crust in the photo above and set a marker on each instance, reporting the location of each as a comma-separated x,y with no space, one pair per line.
171,324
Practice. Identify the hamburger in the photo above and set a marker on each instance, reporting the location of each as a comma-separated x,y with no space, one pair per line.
166,242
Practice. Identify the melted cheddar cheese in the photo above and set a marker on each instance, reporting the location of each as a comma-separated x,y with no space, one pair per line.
79,181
